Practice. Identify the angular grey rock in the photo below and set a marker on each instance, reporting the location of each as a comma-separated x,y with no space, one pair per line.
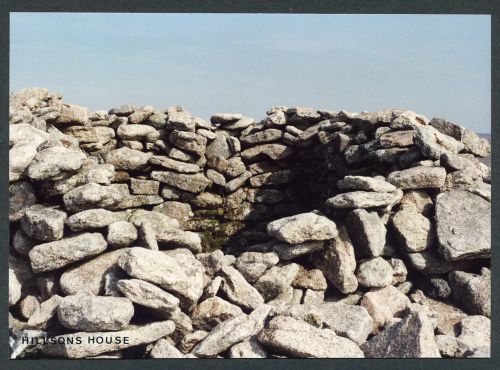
60,253
338,262
225,118
91,313
231,332
20,157
52,163
194,183
128,159
112,341
463,224
144,187
159,268
472,142
350,321
158,221
247,349
211,312
367,232
240,124
189,141
272,151
146,294
475,331
93,219
216,177
433,143
175,238
21,196
14,288
91,276
412,337
420,199
238,290
472,292
276,280
375,273
219,148
302,227
174,165
365,183
121,234
309,279
164,349
43,317
147,236
213,262
72,114
134,131
420,177
364,199
265,136
93,195
237,182
28,306
383,304
44,224
397,139
413,230
253,264
290,251
299,339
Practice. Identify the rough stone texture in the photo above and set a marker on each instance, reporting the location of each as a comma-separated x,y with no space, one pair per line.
472,292
364,199
60,253
412,337
14,288
413,230
418,178
247,349
384,303
93,219
121,234
93,313
346,320
212,311
149,295
299,339
463,225
186,205
90,276
238,290
302,227
21,196
127,159
231,332
275,280
338,263
365,183
367,232
193,183
375,273
44,224
53,162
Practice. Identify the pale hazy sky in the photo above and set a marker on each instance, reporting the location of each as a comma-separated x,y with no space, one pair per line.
436,65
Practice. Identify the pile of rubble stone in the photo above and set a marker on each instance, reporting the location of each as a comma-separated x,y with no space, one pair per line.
138,233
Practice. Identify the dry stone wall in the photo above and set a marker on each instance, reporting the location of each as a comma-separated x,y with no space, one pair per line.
309,233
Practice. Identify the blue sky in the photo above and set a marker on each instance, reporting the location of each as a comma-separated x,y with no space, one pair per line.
436,65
